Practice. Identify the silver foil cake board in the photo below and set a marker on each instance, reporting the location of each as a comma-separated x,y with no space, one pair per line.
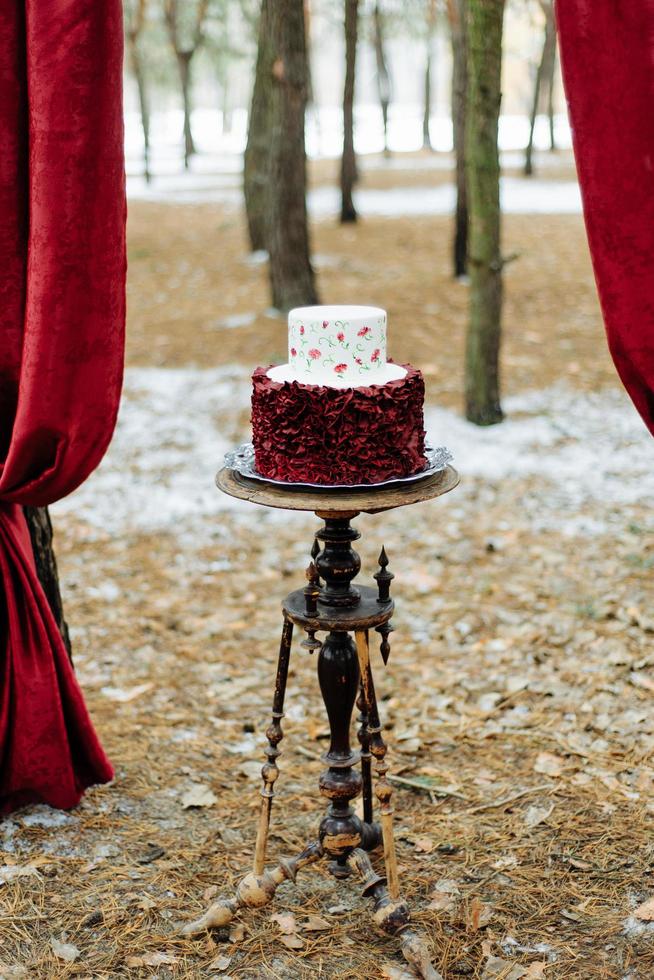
241,460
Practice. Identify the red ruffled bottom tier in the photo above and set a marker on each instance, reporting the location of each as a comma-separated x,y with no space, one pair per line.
315,434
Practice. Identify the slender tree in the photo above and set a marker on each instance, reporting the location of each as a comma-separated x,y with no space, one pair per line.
457,16
40,528
383,76
426,115
550,83
257,151
544,79
135,11
291,274
186,33
482,389
348,159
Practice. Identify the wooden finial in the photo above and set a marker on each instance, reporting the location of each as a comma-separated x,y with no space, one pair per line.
385,648
311,643
383,577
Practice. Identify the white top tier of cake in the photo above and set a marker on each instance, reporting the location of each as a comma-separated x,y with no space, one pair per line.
337,346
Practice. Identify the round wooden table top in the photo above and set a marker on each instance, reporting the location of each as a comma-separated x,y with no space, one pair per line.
337,503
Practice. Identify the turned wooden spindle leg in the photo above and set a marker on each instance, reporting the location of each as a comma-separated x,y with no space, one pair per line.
383,789
366,771
254,891
274,734
338,675
392,916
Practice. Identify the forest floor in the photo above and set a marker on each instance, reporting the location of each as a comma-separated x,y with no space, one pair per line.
519,691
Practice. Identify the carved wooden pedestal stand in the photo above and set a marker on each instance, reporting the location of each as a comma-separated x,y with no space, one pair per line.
331,604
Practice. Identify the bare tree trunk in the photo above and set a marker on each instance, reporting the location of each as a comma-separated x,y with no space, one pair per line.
485,20
544,75
426,115
383,77
348,159
291,275
550,93
40,528
184,65
256,158
135,22
184,54
145,113
457,14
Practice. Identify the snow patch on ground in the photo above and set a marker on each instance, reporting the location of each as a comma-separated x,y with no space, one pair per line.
167,448
591,451
519,196
584,456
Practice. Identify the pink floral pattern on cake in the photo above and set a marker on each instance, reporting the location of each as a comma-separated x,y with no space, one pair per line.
322,345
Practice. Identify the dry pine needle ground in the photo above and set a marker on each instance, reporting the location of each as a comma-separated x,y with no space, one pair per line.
518,692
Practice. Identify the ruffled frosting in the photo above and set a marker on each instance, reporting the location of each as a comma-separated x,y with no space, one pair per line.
318,434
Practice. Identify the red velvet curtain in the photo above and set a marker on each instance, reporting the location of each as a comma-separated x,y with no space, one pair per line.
62,312
607,58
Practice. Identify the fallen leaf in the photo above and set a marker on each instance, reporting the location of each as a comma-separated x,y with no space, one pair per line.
549,764
315,924
286,922
391,972
424,844
124,694
293,942
641,680
210,893
645,912
447,886
237,933
146,903
159,959
133,962
505,862
442,903
8,872
251,769
496,968
537,814
220,963
64,951
536,970
15,972
199,795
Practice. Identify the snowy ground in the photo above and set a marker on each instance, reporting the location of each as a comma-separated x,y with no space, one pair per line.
590,453
518,196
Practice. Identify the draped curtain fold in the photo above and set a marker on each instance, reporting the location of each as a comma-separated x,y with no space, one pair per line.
62,313
607,60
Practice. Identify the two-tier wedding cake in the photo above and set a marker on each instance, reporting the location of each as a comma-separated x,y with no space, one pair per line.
338,412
